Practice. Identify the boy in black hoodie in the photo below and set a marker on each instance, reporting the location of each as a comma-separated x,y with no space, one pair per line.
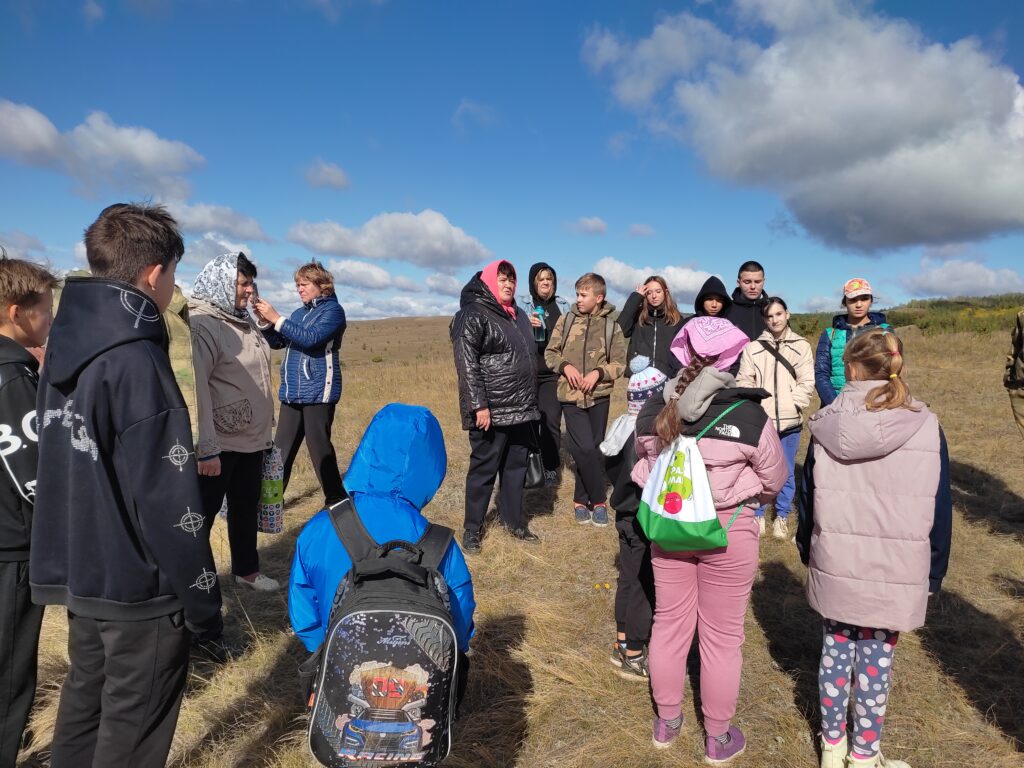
117,536
748,299
26,305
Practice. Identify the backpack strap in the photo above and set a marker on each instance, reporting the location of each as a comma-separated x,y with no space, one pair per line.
566,325
719,417
434,544
609,333
778,356
350,529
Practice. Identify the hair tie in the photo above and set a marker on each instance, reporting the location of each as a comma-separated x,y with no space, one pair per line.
895,353
674,397
894,375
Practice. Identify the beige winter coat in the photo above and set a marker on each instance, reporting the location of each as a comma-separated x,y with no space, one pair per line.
584,347
233,386
790,395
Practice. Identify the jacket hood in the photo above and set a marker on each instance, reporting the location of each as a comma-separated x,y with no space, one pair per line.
401,454
606,309
697,397
713,286
842,323
97,315
788,337
534,269
739,297
850,432
216,282
12,352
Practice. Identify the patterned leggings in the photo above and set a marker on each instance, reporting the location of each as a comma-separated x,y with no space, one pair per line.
846,649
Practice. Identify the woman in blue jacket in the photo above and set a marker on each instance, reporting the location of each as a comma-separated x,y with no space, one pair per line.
310,373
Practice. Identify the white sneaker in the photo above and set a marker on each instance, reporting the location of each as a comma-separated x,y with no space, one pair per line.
878,761
834,755
780,528
760,526
261,583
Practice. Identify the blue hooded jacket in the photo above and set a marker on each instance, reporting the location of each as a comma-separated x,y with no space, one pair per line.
311,370
395,472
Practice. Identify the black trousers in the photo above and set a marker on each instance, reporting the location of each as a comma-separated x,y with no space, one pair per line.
498,450
119,702
585,429
239,479
19,640
634,591
313,423
550,422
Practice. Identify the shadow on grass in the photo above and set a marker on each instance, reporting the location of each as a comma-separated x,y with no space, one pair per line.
493,723
1010,586
983,655
793,630
985,498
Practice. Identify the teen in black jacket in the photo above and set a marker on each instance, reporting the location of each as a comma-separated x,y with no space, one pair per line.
650,324
550,431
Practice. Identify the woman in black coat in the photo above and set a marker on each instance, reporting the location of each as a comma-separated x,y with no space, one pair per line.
494,359
544,313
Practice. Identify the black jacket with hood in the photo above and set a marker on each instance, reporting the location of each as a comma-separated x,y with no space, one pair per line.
713,286
118,531
551,314
494,359
19,379
746,315
651,340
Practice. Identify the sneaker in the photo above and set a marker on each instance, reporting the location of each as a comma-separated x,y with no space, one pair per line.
582,514
760,526
878,761
550,478
599,516
834,755
260,584
664,734
634,668
471,542
716,753
618,651
780,528
523,534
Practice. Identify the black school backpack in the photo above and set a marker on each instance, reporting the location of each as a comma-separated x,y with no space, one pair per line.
384,693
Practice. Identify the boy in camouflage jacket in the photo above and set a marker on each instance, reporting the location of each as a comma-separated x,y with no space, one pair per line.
1014,378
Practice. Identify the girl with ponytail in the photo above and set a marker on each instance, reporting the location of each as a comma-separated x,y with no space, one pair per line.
875,524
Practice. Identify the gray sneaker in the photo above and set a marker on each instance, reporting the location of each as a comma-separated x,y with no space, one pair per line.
634,667
582,514
599,516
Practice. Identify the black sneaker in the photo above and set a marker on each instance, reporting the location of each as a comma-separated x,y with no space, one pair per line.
523,534
634,667
471,542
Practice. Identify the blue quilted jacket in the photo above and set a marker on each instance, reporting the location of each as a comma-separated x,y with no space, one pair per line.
311,371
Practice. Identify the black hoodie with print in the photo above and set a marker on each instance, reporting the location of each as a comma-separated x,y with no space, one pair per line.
118,531
551,315
19,380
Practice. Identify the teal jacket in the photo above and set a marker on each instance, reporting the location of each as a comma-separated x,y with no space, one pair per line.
829,369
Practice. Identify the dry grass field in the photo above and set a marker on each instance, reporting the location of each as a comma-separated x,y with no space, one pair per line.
542,692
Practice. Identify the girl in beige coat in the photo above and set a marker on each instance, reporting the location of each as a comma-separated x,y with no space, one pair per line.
781,362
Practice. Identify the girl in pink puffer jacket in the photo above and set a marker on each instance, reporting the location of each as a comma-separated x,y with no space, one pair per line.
875,524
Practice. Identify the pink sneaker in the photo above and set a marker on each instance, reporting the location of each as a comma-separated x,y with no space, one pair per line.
665,734
716,753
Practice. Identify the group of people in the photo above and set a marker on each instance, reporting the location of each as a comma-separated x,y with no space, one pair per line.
736,366
113,483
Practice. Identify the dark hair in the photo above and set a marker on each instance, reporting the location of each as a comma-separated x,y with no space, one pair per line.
750,266
318,275
672,315
505,268
879,356
667,422
128,237
246,267
22,282
773,300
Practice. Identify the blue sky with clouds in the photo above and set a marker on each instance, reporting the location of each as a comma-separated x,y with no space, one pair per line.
407,143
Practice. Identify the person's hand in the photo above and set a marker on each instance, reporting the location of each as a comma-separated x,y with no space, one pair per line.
640,289
266,310
589,382
572,376
210,467
535,321
483,419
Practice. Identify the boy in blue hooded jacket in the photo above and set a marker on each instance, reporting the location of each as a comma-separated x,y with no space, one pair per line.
395,472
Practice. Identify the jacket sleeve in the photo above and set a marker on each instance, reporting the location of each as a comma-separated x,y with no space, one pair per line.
460,584
303,609
942,527
205,355
615,362
166,495
630,313
648,447
745,377
804,386
19,448
1016,353
805,509
467,338
274,339
769,462
328,322
823,370
553,353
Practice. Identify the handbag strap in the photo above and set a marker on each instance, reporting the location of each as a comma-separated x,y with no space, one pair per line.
733,518
778,356
719,417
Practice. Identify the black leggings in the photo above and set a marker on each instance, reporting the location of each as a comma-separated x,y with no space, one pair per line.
312,422
239,478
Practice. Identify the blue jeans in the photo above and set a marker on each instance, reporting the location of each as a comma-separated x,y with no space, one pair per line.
784,501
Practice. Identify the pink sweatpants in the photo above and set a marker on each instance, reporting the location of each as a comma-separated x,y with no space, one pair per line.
708,591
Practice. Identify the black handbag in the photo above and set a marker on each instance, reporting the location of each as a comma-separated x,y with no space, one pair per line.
534,466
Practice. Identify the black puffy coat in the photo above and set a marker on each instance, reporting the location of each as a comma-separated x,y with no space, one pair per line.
494,359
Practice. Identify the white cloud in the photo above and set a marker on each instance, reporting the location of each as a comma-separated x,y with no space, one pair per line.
873,136
80,254
683,282
446,285
426,238
21,245
641,230
199,252
359,273
469,110
589,225
97,152
399,306
202,217
822,304
92,11
324,174
407,284
956,277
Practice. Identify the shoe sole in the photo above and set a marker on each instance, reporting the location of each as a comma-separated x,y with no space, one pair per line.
583,522
598,525
663,744
729,759
632,676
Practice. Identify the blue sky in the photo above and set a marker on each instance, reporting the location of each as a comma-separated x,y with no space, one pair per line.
407,143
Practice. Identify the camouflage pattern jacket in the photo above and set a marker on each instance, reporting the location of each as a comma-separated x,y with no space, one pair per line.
582,341
1014,377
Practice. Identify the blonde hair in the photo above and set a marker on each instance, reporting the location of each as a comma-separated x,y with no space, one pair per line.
593,281
878,355
23,282
317,274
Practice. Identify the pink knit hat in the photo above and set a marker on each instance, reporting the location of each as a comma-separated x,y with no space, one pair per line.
709,336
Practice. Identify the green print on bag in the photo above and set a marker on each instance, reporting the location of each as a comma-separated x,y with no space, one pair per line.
677,511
